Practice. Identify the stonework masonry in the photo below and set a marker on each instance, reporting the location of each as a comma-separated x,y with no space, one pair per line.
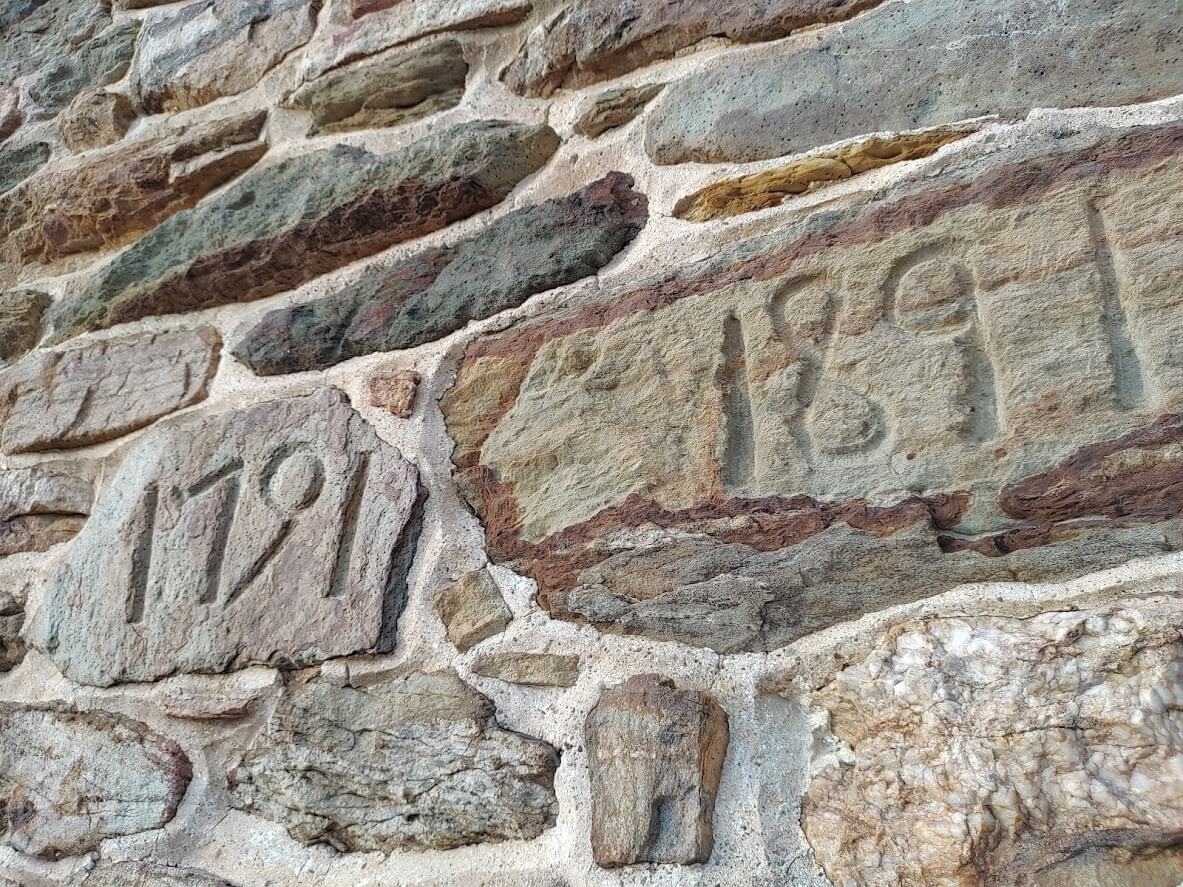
591,443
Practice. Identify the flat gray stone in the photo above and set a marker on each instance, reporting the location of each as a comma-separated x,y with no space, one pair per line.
531,669
215,48
75,397
71,779
912,65
40,508
20,322
417,761
146,874
279,534
20,162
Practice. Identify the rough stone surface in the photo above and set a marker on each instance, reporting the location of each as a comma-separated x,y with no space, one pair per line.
75,397
145,874
398,86
20,162
854,412
616,107
105,200
56,49
985,751
763,190
283,225
913,65
40,508
216,529
12,646
472,609
10,112
20,322
70,779
202,698
215,48
437,292
597,39
417,761
656,757
531,669
395,392
95,119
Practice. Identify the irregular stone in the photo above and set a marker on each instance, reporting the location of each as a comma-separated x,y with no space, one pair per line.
201,698
146,874
40,508
988,750
438,291
71,779
531,669
76,397
655,756
472,609
287,223
12,618
20,322
615,108
216,529
395,392
855,411
395,87
763,190
58,48
215,48
105,200
898,68
17,164
417,761
394,22
95,119
10,112
598,39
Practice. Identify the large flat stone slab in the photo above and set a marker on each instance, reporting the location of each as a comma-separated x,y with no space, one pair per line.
105,200
40,508
75,397
214,48
217,529
913,65
971,378
417,761
987,750
71,779
283,225
592,40
438,291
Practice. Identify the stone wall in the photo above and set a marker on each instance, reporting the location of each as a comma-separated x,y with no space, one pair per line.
589,443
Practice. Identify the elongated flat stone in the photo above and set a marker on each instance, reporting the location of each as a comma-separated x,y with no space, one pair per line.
531,669
285,224
908,66
70,779
108,199
962,379
216,529
40,508
75,397
215,48
594,40
415,762
614,108
398,86
146,874
54,49
437,292
20,322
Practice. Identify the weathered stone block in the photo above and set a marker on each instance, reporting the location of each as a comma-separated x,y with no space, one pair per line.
989,750
70,779
105,200
395,392
214,48
12,646
914,65
655,756
965,379
146,874
40,508
398,86
415,762
217,529
472,609
20,322
594,40
531,669
616,107
95,119
438,291
10,112
288,223
75,397
19,162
